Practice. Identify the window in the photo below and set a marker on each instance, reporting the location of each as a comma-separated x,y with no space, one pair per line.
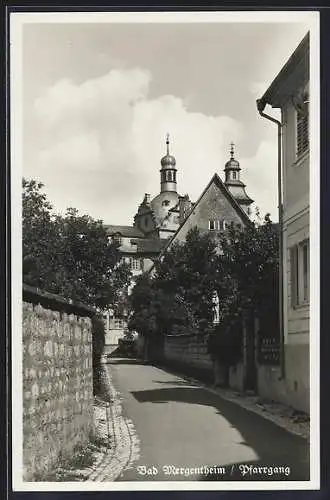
294,276
305,270
135,264
165,203
116,238
302,133
299,268
220,225
234,175
118,323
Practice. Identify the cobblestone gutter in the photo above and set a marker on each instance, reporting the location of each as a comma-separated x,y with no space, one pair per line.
113,425
114,447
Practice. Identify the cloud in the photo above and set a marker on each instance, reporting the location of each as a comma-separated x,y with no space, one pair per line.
258,88
260,176
98,144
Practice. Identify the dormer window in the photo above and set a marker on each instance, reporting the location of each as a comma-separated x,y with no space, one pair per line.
166,203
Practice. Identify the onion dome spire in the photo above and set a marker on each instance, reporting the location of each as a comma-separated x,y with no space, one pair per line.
233,182
168,160
168,169
232,150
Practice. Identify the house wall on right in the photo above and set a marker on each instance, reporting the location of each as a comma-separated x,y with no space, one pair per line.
290,93
296,253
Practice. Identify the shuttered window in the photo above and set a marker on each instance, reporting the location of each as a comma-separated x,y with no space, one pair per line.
305,270
294,270
299,270
302,133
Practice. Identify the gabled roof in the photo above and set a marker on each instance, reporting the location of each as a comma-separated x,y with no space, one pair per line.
128,231
218,182
294,72
150,245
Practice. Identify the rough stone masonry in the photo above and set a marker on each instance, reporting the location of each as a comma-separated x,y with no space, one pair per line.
57,386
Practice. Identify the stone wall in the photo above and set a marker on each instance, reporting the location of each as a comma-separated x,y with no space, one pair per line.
57,382
190,353
293,390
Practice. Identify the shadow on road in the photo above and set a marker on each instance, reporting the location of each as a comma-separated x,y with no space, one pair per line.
176,383
125,361
274,446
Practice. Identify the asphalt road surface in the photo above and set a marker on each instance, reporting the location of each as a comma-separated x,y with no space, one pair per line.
189,433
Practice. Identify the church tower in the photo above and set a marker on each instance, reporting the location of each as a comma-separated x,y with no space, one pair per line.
168,170
233,183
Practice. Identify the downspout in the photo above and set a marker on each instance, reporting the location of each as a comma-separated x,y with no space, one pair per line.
261,106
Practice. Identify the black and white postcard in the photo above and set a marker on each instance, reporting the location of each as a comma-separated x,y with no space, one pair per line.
165,250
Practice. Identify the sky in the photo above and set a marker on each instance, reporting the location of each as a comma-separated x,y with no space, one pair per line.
98,100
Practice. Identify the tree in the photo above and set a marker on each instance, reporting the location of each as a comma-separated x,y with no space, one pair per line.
247,284
41,249
179,298
70,255
251,259
91,263
143,317
98,342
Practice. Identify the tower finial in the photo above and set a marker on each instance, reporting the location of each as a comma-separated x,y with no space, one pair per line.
168,143
232,149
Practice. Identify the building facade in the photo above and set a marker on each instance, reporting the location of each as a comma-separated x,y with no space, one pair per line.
220,205
168,217
289,92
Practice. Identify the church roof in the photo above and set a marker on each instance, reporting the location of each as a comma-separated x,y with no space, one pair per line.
162,204
217,180
128,231
150,245
237,190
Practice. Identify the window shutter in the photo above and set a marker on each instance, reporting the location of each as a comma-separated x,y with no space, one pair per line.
294,275
302,133
305,250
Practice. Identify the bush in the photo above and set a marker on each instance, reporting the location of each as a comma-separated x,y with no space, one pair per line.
98,336
225,343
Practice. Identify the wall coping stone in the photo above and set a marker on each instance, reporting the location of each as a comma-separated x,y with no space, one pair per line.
56,302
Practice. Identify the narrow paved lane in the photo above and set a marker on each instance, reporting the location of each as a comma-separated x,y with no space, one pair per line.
185,426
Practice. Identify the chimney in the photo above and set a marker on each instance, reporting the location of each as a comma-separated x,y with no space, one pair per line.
184,207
